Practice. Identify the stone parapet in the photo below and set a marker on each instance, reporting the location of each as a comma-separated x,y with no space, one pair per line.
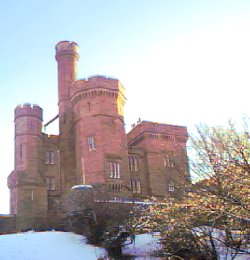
28,109
158,130
67,48
96,86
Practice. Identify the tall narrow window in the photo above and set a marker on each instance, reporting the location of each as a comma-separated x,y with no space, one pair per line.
31,124
51,183
50,157
138,186
21,151
114,170
135,185
133,163
91,143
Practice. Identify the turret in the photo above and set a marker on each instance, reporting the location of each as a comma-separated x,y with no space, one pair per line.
28,193
101,144
66,56
28,143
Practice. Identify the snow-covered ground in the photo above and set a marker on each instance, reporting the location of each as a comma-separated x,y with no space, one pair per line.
144,245
65,246
47,245
68,246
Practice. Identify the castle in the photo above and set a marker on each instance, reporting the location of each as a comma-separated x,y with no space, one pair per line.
92,146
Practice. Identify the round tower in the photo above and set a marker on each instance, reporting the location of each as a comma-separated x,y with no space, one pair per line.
101,143
28,138
66,56
28,193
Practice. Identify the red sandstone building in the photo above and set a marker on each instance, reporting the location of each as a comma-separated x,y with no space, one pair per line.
92,146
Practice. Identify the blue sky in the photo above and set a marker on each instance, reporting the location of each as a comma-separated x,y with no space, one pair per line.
181,62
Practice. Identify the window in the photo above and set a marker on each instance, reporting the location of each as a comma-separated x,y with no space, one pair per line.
91,143
50,157
21,151
135,185
51,183
168,161
171,186
115,187
31,124
133,163
114,170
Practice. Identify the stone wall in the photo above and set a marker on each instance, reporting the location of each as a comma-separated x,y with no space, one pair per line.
7,224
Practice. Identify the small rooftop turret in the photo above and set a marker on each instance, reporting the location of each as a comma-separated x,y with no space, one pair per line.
67,48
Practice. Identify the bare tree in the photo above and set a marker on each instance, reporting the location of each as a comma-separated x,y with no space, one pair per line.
213,218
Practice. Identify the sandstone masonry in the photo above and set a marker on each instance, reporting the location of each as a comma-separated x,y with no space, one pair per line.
92,146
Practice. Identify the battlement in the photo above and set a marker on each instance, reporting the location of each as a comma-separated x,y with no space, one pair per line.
154,129
101,85
66,48
28,109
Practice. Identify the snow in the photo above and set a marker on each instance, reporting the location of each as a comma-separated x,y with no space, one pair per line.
82,187
47,245
66,245
143,245
218,238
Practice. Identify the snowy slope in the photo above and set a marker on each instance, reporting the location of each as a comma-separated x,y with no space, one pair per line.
46,246
65,245
68,246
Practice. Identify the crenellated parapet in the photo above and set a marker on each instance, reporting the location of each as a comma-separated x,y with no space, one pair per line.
67,48
30,110
150,130
97,86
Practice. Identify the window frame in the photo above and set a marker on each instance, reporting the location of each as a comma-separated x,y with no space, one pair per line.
49,157
50,183
114,169
91,143
133,162
168,162
135,186
171,186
